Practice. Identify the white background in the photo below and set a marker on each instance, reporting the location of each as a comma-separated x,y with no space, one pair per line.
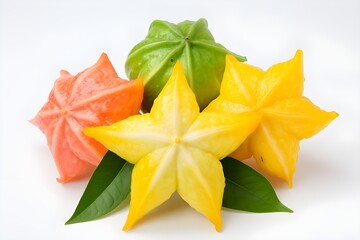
40,37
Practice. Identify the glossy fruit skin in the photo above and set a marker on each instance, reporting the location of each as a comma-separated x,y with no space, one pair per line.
287,116
176,148
95,96
190,42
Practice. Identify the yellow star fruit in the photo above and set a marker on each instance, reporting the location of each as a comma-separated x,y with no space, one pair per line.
287,116
176,148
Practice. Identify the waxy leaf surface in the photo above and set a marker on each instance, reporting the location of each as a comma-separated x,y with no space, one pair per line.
248,190
108,187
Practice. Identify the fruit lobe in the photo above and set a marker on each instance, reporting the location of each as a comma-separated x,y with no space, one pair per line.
189,42
176,148
96,96
287,116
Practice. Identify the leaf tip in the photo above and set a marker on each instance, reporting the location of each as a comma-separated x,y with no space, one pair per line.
70,221
290,210
283,208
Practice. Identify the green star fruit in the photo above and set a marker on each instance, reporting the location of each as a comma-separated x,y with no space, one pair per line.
193,45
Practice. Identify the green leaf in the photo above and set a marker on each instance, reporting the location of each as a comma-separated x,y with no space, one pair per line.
247,190
107,188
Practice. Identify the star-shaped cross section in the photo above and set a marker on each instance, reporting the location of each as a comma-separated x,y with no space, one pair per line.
176,148
287,116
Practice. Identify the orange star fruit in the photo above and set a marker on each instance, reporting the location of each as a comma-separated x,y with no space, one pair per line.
96,96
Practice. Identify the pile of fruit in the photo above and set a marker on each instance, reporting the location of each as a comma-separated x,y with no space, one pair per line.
192,111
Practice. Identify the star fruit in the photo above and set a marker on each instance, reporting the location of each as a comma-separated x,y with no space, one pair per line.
176,148
287,116
94,97
190,42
